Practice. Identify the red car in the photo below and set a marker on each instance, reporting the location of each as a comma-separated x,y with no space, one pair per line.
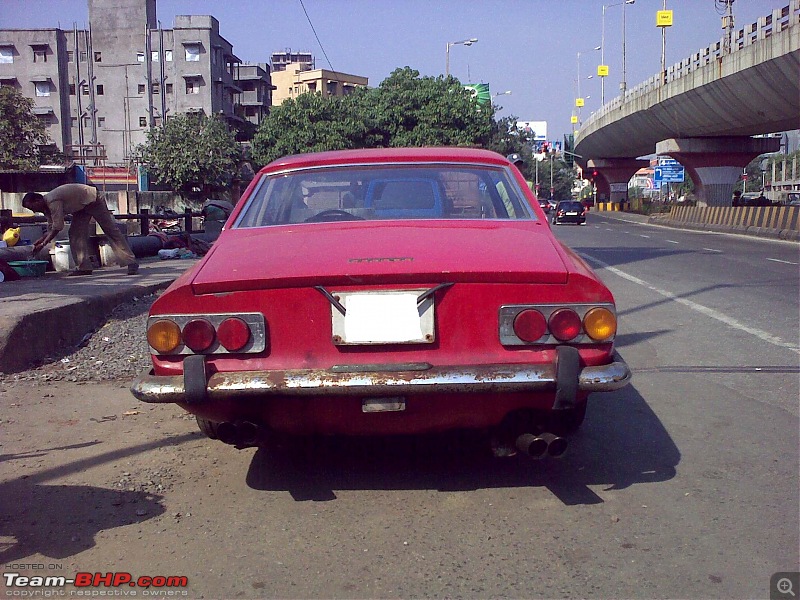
389,291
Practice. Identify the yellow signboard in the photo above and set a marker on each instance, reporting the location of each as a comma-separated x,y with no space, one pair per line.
573,119
578,102
602,70
664,18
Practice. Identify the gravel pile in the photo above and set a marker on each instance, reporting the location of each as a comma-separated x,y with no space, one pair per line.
116,351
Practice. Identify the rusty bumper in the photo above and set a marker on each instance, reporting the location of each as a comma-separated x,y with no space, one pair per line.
410,379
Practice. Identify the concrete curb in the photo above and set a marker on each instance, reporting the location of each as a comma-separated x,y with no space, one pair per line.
751,231
55,312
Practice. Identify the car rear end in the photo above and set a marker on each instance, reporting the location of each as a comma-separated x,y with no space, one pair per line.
385,325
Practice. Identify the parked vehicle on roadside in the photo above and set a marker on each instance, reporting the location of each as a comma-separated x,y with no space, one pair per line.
386,292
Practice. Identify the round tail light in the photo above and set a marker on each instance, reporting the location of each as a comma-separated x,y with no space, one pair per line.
530,325
198,335
600,324
164,336
233,334
565,324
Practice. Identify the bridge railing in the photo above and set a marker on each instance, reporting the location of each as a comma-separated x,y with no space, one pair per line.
779,20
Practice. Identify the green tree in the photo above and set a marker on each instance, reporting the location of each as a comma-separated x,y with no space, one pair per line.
21,132
404,110
430,111
190,153
311,123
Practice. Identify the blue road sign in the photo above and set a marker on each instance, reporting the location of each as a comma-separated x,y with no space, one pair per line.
668,174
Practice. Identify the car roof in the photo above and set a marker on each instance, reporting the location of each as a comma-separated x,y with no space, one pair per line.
386,155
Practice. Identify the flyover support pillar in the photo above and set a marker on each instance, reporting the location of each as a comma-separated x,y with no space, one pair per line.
613,175
715,164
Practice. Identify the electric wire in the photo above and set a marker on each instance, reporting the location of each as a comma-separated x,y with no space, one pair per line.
321,47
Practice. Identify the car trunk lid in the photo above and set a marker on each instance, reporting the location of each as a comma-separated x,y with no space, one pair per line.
381,252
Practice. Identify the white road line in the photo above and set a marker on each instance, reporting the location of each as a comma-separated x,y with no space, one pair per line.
673,242
709,312
786,262
644,236
609,229
626,232
712,250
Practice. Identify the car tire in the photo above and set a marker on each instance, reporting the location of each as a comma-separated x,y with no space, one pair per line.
208,428
566,422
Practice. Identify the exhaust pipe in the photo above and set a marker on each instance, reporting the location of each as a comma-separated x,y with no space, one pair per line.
241,433
556,445
247,433
532,445
226,433
539,446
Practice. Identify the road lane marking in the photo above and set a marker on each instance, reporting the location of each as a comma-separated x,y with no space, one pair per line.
644,236
709,312
673,242
786,262
712,250
609,229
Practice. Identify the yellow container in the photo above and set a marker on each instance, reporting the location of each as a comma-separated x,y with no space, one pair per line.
11,236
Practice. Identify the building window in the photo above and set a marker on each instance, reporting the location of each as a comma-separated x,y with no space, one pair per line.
85,89
192,52
73,121
168,55
42,88
82,56
39,55
98,57
6,54
156,88
100,89
140,56
154,56
141,89
70,56
168,88
192,86
45,119
331,88
142,121
86,121
71,89
101,122
157,121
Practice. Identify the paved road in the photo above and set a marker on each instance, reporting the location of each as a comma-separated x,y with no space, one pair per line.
682,485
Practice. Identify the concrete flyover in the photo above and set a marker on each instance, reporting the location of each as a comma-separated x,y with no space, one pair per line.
724,95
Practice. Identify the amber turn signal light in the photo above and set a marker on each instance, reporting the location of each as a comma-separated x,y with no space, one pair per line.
164,336
600,324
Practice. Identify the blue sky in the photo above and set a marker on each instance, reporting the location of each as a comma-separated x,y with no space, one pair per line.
526,46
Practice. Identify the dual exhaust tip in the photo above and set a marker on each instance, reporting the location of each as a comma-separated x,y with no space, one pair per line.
242,433
542,445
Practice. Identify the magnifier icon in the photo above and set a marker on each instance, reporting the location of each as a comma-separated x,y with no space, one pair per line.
784,586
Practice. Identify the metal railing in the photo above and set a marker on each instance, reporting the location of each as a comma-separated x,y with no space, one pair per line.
144,216
780,20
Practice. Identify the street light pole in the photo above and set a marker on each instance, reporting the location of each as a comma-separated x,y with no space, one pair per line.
468,42
579,73
603,44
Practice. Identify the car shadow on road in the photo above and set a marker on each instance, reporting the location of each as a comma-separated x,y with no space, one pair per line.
622,443
62,520
59,521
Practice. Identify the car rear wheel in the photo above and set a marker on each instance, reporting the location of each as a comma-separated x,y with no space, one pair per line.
208,428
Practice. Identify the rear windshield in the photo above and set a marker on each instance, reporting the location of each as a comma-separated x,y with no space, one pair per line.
381,192
570,206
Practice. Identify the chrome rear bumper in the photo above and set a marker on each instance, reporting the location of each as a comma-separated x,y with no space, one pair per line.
411,379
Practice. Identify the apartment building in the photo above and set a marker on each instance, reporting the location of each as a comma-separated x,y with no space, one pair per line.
99,90
298,78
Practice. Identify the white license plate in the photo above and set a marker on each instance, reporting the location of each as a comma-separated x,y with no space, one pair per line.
373,405
385,317
572,214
